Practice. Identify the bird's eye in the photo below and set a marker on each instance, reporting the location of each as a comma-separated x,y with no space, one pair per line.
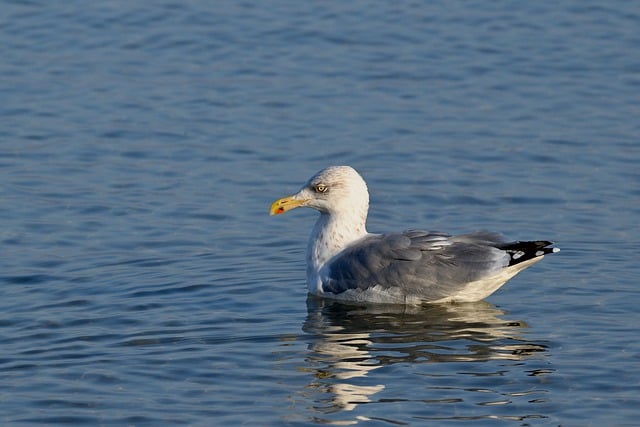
320,188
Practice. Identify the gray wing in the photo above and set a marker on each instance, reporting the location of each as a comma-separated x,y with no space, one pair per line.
431,265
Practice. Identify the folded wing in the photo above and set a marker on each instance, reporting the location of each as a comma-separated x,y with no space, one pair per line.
426,264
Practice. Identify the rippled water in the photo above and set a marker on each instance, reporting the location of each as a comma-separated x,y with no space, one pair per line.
141,145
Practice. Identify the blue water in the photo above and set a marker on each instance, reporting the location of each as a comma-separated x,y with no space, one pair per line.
143,282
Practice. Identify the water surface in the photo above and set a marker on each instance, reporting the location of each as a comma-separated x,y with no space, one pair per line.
144,283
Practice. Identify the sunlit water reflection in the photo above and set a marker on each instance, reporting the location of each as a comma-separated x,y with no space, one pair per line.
350,345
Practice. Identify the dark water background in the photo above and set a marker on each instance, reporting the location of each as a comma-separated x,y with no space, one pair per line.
143,282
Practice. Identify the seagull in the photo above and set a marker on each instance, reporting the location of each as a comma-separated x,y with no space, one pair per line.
347,263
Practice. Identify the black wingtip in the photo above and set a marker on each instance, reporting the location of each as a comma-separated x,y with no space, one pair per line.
524,251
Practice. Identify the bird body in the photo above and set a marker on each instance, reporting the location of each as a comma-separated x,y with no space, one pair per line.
346,262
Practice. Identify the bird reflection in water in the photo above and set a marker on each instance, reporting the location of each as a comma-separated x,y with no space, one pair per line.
348,343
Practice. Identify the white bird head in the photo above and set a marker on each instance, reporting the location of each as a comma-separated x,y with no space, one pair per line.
336,190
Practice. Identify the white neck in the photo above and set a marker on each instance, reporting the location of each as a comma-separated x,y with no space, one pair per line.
331,234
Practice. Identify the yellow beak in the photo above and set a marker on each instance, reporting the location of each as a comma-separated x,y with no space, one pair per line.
285,204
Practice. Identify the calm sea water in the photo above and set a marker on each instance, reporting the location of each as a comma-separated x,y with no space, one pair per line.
143,282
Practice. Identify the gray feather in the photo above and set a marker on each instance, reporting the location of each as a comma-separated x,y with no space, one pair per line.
426,264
